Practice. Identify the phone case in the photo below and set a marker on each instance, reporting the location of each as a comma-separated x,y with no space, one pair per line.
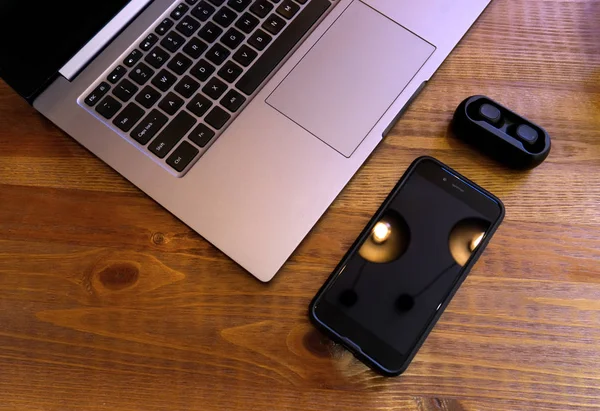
354,249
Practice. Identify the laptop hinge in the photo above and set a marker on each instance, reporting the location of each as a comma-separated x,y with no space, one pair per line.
102,38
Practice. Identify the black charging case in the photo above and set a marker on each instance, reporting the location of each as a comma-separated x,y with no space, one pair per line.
500,133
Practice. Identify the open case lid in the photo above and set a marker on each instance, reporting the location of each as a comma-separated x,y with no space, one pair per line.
38,37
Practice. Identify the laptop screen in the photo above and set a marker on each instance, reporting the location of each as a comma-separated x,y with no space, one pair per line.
38,37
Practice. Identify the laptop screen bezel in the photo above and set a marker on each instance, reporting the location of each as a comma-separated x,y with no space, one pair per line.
22,71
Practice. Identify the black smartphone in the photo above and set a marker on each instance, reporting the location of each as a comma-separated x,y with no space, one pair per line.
389,290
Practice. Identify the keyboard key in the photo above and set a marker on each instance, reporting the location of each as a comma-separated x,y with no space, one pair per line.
217,118
133,58
202,70
172,134
199,105
259,39
232,38
230,72
179,64
164,26
203,11
172,41
171,103
282,45
217,54
148,42
225,16
274,24
201,135
217,2
195,47
141,74
97,94
302,1
232,101
108,107
164,80
191,2
128,117
214,88
238,5
179,11
117,74
182,156
188,26
125,90
245,55
187,86
157,57
148,96
210,32
261,8
288,9
247,23
149,126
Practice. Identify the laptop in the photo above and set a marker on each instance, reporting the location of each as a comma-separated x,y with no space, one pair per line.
243,118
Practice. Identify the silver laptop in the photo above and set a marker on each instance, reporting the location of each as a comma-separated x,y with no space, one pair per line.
244,118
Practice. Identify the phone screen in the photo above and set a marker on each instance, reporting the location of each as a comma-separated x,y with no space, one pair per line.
406,263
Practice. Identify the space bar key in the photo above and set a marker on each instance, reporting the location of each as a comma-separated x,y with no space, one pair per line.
282,46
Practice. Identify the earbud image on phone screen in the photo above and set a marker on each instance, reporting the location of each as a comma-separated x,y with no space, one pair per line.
404,268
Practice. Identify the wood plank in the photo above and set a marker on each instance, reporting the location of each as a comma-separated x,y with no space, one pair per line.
108,302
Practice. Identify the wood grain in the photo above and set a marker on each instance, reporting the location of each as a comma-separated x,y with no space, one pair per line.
107,302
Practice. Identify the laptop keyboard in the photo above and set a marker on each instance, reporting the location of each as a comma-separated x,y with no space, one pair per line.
185,80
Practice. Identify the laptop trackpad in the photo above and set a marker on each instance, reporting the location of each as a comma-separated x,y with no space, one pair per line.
345,83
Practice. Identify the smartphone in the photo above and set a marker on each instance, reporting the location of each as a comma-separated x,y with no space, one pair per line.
391,287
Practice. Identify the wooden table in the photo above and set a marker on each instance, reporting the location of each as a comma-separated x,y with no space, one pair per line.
107,302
